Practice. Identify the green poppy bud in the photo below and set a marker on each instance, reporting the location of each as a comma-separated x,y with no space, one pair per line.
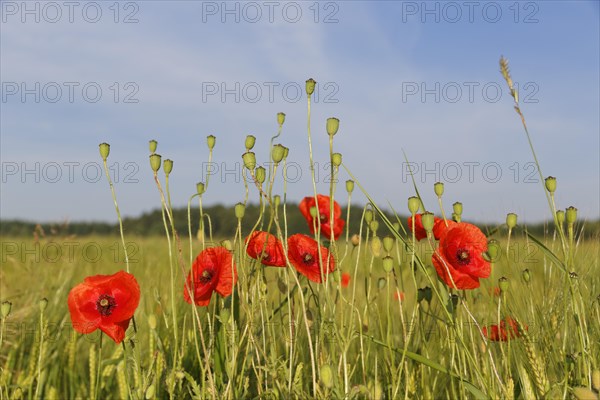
43,303
388,243
560,216
310,86
458,208
261,174
240,210
550,184
349,185
327,376
374,225
227,244
413,205
277,153
155,162
277,200
427,219
388,264
249,160
526,275
5,308
104,150
396,226
286,151
168,166
280,118
511,220
336,159
438,188
333,124
381,283
152,144
314,212
210,141
376,246
200,188
250,141
493,250
571,214
503,284
368,216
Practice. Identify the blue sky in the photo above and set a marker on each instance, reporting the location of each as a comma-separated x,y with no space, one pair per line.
419,77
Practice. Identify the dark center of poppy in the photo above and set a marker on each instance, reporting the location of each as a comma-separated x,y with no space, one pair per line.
105,305
463,256
307,258
206,276
323,217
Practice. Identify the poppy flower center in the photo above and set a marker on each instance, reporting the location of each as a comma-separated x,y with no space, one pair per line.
463,256
105,305
206,276
307,258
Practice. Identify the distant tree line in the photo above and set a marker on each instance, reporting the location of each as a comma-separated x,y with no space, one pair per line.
224,223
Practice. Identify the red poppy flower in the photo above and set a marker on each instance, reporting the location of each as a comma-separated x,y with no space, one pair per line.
461,255
508,328
399,296
212,270
345,279
303,252
105,302
440,227
266,248
324,202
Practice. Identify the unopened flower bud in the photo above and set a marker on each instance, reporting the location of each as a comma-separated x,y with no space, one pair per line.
381,283
226,243
155,162
458,208
349,185
249,160
5,308
261,174
526,275
374,225
560,216
550,184
333,125
168,166
310,86
503,284
376,246
327,376
280,118
427,219
104,150
240,210
286,151
277,153
511,220
413,205
43,303
355,239
277,200
200,188
493,250
396,226
368,216
336,159
438,188
314,212
388,243
571,214
250,141
152,144
388,264
210,141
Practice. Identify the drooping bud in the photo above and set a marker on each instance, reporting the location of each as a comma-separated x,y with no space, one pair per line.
355,239
43,303
261,174
511,220
333,124
277,153
240,210
388,264
249,159
280,118
104,150
310,86
277,200
349,185
368,216
571,214
152,144
210,141
200,188
155,162
413,204
550,184
388,243
5,309
168,166
227,244
374,225
381,283
427,219
438,188
396,226
526,275
503,284
336,159
250,141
